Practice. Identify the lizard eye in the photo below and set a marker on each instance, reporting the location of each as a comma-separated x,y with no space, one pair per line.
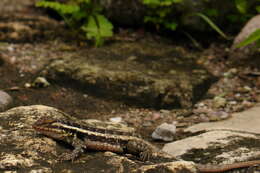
44,120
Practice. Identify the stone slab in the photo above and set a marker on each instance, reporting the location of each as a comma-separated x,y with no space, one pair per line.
247,121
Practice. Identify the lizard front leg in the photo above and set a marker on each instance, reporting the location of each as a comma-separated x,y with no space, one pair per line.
147,151
79,147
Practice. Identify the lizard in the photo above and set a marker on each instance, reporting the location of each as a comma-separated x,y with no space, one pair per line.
83,137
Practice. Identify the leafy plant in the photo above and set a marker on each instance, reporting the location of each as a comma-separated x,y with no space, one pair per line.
253,37
82,15
159,13
243,13
241,6
212,24
163,9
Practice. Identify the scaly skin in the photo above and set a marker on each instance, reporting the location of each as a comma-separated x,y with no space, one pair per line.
85,137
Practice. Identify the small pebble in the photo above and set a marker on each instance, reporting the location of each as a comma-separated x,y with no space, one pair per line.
200,104
219,102
40,82
165,132
247,88
163,111
218,115
131,58
5,101
204,118
230,73
156,116
247,104
27,85
232,102
10,48
147,124
115,119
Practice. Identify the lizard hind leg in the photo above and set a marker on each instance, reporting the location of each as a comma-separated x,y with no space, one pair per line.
79,147
139,148
145,155
72,156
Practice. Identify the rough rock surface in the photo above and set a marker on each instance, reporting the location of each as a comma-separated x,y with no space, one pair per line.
143,73
218,146
247,121
232,140
25,151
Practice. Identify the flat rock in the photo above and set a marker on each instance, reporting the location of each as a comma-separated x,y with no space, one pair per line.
144,73
216,147
247,121
171,167
228,141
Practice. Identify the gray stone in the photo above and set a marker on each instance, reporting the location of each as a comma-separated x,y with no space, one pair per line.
165,132
171,167
247,121
5,101
232,140
217,146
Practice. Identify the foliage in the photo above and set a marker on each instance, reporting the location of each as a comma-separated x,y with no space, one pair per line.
160,16
86,16
241,15
83,15
212,24
253,37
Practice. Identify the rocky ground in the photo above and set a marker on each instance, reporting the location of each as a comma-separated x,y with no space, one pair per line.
136,81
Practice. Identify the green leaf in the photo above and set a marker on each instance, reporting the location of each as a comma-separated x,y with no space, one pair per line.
233,18
79,15
171,25
98,27
61,8
255,36
160,2
91,28
151,2
82,1
215,27
241,6
258,9
105,27
212,12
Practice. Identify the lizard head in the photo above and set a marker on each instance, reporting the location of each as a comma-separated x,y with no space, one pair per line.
50,127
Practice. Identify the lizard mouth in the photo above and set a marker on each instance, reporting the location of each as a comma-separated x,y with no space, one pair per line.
46,127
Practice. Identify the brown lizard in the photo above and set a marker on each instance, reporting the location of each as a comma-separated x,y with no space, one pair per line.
82,136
